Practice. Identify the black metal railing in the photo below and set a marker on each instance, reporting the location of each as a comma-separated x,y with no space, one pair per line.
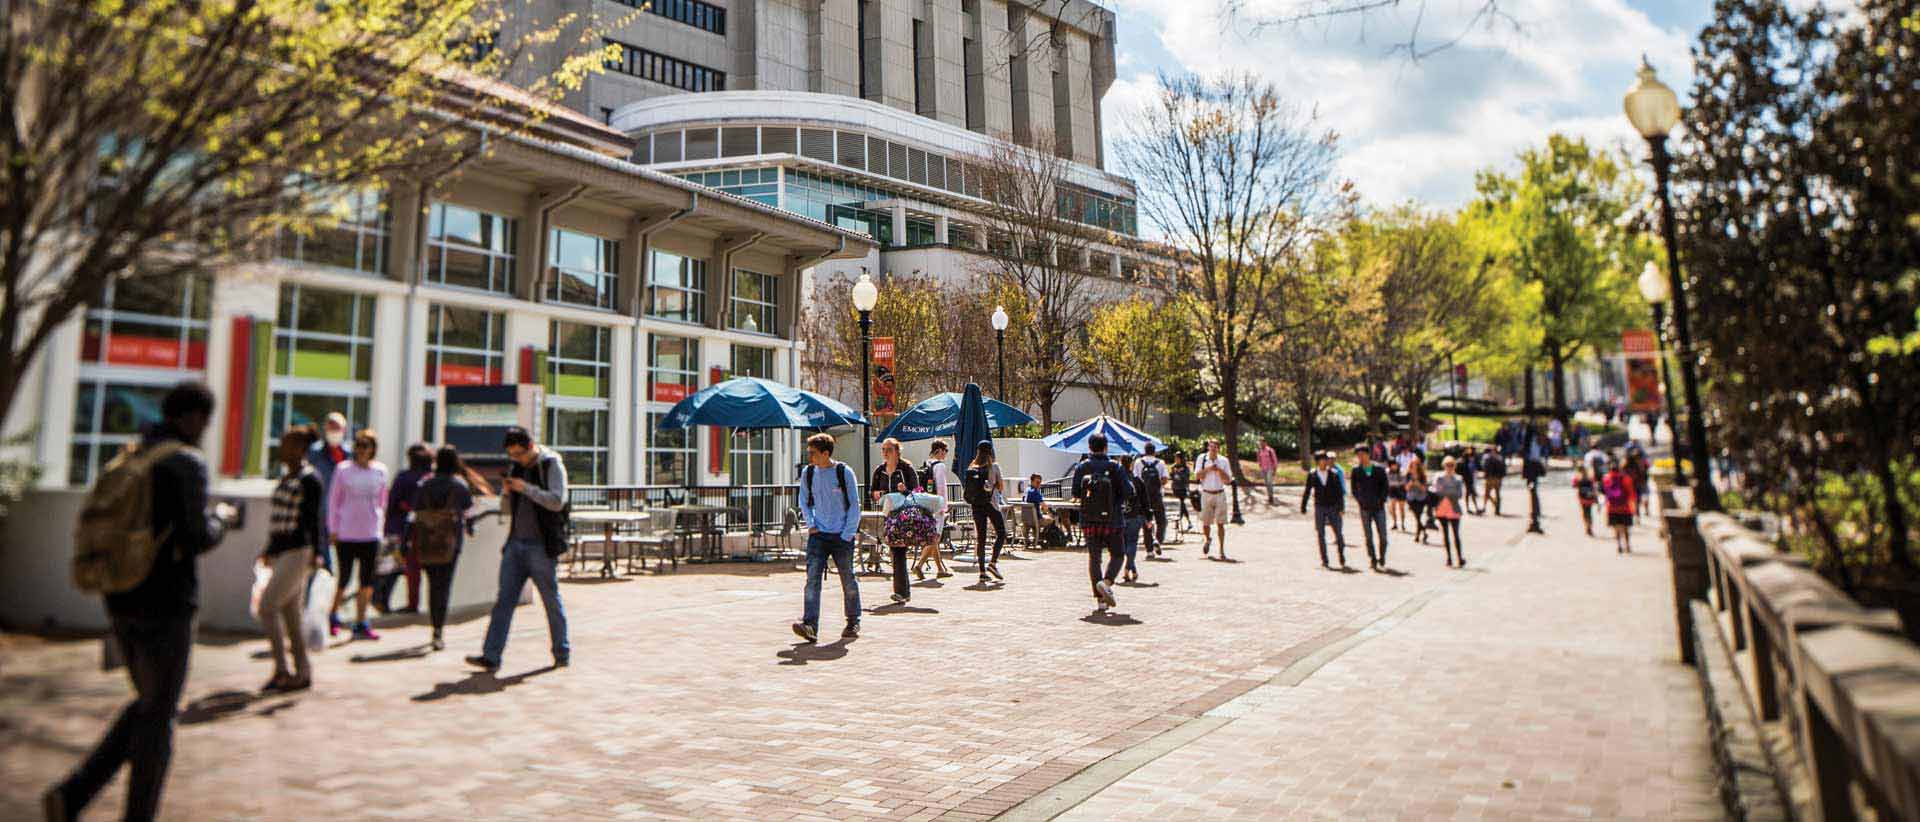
754,507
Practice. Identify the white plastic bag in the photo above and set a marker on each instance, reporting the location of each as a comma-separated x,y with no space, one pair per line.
313,621
260,576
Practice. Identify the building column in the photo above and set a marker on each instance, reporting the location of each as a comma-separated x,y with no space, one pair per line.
941,231
1113,266
385,410
899,213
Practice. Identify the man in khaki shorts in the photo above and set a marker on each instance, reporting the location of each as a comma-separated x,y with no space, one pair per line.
1213,473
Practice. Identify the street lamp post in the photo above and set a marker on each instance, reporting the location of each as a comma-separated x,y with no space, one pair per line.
1654,111
865,296
1000,346
1653,287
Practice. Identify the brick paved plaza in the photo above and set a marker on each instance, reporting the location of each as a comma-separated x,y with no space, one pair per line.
1538,683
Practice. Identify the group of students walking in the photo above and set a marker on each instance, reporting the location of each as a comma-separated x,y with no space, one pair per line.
332,508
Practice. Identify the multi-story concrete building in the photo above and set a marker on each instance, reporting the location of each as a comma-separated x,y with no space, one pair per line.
878,116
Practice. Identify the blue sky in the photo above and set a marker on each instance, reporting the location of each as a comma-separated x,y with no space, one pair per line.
1419,130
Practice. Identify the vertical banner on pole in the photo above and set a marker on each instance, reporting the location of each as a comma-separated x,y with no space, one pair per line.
1638,349
884,401
1460,380
239,398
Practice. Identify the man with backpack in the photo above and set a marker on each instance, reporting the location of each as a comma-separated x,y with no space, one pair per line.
1153,475
144,525
1102,489
829,502
535,500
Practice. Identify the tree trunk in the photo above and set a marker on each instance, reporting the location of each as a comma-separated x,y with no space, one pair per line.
1529,382
1306,435
1230,419
1895,511
1415,422
1559,359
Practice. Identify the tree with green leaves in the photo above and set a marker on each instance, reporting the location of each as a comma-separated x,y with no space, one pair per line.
1561,214
1241,182
145,140
1138,355
1330,318
1798,182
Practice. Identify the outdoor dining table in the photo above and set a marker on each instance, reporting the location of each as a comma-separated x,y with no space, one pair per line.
708,530
611,521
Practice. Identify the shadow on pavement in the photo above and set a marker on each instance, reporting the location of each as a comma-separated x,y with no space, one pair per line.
1395,572
479,683
892,608
593,580
395,655
1137,584
931,583
985,586
217,706
805,652
1110,618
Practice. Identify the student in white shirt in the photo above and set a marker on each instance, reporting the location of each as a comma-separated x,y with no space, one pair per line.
1213,472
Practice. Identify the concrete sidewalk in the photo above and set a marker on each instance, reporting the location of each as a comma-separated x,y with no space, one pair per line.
1540,684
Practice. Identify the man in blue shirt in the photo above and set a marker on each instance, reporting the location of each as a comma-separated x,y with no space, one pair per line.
829,494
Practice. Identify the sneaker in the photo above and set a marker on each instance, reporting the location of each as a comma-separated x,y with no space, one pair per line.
333,625
806,632
1206,548
483,663
984,580
994,569
899,599
438,643
365,631
852,631
562,661
296,684
1106,593
919,572
944,574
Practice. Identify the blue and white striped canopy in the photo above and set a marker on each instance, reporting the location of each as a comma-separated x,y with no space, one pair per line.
1121,437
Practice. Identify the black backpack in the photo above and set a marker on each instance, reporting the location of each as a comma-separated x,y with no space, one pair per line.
839,472
1053,536
976,483
1099,496
1150,477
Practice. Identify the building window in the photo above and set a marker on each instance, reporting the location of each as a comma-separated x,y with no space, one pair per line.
470,248
142,337
322,361
753,361
671,454
580,435
703,16
646,65
583,269
579,381
674,368
465,346
762,185
679,288
356,240
754,298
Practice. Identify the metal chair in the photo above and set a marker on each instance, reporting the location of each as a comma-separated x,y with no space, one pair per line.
767,543
660,535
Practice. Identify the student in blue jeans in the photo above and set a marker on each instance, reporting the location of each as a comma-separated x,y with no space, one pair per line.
828,494
535,497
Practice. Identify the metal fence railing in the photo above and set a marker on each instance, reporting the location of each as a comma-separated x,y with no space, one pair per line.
752,507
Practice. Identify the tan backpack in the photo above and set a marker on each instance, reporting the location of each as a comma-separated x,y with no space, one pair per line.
113,542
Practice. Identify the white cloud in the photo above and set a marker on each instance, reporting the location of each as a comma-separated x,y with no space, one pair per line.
1419,130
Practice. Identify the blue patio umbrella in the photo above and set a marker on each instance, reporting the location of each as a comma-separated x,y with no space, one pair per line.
751,402
1121,437
939,416
971,427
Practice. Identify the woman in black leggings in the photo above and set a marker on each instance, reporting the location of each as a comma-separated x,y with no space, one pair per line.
450,489
982,486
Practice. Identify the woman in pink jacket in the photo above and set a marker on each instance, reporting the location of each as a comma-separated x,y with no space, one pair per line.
356,519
